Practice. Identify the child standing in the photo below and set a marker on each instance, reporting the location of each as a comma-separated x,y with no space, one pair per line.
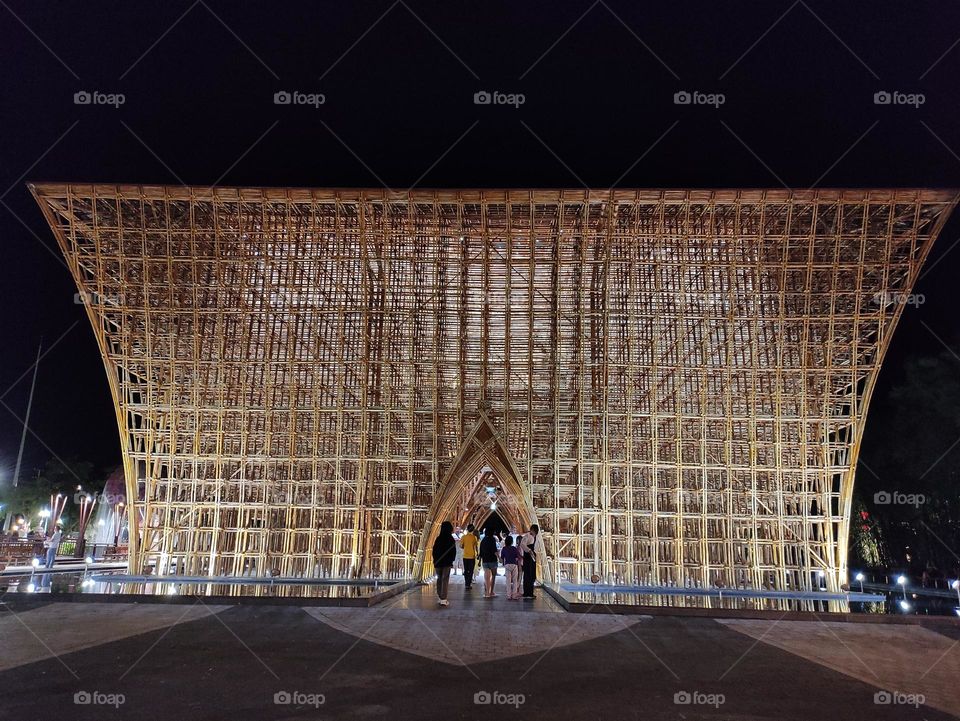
510,556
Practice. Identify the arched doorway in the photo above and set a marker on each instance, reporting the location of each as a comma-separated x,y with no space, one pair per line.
483,480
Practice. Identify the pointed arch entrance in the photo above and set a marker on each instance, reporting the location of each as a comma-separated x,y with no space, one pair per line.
483,479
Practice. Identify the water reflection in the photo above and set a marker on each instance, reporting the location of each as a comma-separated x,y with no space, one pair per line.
119,583
881,602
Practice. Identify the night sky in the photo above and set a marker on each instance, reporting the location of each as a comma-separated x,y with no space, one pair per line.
798,84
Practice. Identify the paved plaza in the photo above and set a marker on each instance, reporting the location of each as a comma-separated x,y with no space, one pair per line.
407,657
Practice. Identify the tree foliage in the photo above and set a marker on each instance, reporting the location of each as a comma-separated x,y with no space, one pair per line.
908,480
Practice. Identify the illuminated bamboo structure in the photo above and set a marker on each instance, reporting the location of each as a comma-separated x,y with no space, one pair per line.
672,384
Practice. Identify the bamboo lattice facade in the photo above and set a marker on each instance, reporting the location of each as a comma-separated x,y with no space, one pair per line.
672,384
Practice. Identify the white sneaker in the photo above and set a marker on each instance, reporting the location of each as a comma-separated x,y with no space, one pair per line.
444,603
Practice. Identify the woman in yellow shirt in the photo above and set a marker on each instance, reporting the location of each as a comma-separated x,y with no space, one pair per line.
469,544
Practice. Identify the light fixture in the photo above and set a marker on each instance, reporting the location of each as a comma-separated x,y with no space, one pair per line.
902,580
859,577
35,562
905,606
31,587
88,559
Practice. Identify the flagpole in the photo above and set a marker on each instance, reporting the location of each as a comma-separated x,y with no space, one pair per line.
26,420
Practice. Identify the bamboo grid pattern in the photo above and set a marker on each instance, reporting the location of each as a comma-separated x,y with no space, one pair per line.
674,382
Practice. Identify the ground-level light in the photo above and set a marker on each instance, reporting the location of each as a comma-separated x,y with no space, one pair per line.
902,580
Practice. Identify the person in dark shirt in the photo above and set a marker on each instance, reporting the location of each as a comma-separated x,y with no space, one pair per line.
528,547
488,559
444,554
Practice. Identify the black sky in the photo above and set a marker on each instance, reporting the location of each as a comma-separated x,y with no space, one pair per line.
399,80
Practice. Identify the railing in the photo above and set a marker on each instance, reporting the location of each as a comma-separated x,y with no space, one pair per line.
22,552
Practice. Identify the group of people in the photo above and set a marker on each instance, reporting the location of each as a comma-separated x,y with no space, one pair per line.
517,555
51,543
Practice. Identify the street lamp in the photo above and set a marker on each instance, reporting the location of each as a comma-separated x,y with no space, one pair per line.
956,587
44,515
859,577
902,580
905,606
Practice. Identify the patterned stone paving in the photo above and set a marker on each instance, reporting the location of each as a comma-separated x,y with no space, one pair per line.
411,659
465,637
60,628
905,659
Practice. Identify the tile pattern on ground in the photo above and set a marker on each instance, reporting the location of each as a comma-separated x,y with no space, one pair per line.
61,628
463,637
905,659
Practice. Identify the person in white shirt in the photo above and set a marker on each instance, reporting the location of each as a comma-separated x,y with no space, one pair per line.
52,544
528,546
458,562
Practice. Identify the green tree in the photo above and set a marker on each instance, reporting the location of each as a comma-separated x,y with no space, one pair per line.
909,478
33,493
